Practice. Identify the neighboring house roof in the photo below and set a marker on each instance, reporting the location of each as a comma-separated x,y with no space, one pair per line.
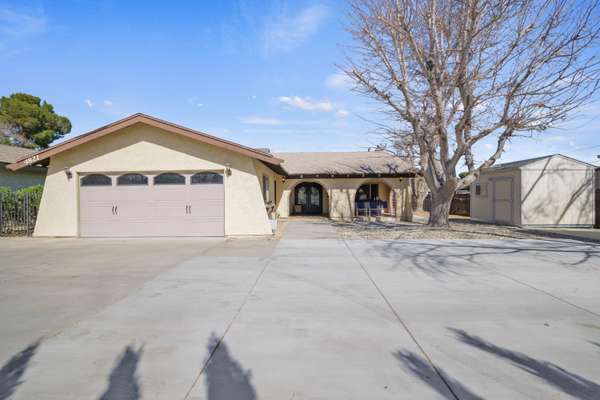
44,155
358,163
10,154
523,163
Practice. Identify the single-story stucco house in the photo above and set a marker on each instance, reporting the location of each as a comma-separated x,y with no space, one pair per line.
24,177
142,176
553,190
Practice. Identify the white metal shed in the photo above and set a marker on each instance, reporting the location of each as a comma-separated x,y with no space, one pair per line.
553,190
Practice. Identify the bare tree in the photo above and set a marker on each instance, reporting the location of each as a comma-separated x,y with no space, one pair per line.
451,73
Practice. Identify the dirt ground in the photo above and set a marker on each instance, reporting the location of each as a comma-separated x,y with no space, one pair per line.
460,228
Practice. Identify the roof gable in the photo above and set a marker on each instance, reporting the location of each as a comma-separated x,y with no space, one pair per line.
45,154
521,164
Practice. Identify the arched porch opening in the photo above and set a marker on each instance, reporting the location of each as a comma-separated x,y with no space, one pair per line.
309,198
375,198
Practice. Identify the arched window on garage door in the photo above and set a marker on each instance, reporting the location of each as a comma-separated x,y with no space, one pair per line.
96,180
206,178
169,178
132,179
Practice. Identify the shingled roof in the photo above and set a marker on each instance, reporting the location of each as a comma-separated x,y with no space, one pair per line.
357,163
10,154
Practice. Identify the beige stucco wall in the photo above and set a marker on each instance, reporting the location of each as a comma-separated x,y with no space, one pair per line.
263,170
23,178
550,192
339,195
559,192
142,148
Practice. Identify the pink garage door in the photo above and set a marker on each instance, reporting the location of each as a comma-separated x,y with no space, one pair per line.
165,204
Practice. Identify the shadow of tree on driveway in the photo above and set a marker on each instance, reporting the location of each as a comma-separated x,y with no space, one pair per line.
594,343
12,372
447,257
422,369
123,381
225,378
568,382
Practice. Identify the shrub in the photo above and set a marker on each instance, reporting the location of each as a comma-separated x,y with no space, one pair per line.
12,201
34,192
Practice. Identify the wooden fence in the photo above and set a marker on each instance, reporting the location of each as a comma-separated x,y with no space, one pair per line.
18,212
461,204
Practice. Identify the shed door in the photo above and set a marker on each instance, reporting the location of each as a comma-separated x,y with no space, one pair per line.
502,199
150,205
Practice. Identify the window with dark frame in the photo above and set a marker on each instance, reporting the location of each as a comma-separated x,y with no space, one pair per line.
96,180
265,187
132,180
169,178
478,189
202,178
368,192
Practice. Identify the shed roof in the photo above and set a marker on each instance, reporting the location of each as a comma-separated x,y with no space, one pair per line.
528,161
343,163
10,154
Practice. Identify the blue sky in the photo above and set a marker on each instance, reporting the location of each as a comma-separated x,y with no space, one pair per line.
261,73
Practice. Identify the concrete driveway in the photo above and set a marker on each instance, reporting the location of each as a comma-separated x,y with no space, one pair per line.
310,316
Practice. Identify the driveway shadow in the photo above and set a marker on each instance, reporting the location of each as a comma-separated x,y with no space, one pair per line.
225,377
422,369
555,376
594,343
12,372
123,381
445,257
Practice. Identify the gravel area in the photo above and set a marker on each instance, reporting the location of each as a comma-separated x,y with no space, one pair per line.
460,228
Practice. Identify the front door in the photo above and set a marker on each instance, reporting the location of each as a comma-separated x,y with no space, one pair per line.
309,199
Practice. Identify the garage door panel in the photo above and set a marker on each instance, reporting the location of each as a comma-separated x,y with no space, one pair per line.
168,210
206,226
132,227
96,218
207,210
153,210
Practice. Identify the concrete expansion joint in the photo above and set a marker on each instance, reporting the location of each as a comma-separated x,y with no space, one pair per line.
548,294
402,323
227,328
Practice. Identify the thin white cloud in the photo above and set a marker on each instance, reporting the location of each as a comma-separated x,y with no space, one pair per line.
253,97
108,103
306,103
256,120
338,81
195,101
342,113
554,138
88,103
19,23
285,33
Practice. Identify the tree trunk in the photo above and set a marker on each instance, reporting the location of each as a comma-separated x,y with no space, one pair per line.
440,210
419,192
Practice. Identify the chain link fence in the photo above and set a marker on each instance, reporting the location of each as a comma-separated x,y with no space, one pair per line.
18,211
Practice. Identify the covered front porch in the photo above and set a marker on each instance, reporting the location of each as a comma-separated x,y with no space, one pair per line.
346,198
